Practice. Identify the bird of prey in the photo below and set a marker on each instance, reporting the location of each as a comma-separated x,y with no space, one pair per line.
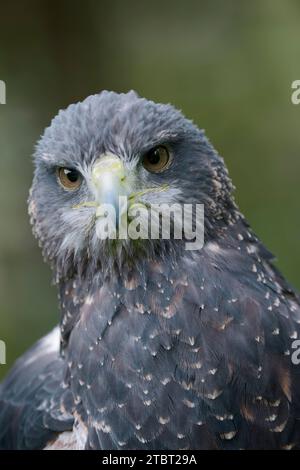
158,347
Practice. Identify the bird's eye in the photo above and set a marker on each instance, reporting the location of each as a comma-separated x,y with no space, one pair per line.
70,179
157,159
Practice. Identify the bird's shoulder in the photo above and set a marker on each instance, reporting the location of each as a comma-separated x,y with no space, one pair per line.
33,402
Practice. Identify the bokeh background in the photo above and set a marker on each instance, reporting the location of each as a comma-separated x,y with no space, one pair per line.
228,65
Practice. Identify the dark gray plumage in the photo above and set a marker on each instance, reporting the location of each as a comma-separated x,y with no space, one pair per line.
161,348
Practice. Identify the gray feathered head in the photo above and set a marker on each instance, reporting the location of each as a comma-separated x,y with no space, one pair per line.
119,144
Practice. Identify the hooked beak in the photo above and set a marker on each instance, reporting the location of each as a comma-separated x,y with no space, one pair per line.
108,180
110,188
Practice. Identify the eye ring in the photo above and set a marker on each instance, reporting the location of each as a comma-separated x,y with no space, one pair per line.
69,178
157,160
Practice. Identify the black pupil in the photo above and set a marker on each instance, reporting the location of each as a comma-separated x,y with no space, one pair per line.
154,157
72,175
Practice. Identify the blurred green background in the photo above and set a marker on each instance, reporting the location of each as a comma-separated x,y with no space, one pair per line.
228,65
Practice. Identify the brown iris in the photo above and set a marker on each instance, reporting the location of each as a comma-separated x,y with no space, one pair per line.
157,159
69,178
